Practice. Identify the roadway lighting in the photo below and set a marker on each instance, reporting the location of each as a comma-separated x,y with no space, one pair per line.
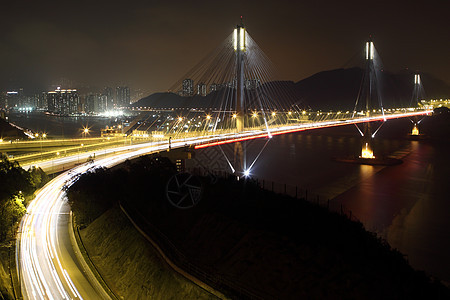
36,134
247,173
234,116
1,140
208,117
290,113
82,145
119,126
57,153
303,112
273,114
180,119
86,130
254,115
44,135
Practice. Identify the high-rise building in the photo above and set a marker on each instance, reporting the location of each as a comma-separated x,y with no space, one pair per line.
62,101
188,87
15,98
201,89
3,102
42,101
12,99
213,87
108,93
252,84
122,96
96,103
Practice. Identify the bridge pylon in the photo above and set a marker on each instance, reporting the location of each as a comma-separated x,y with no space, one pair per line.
240,48
368,87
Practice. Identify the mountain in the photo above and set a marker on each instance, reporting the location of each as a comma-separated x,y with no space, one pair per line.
328,90
338,89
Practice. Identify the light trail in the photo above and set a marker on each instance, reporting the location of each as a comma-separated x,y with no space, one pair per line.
256,134
47,267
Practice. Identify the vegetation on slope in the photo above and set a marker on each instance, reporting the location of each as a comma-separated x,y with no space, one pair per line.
17,187
243,236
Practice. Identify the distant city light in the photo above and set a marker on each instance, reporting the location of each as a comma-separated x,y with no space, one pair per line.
112,113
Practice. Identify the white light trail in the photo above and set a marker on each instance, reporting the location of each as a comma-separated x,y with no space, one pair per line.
47,270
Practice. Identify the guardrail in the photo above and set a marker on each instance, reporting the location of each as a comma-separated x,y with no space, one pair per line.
88,265
195,270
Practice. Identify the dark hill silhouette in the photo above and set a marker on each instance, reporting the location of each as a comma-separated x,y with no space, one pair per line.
327,90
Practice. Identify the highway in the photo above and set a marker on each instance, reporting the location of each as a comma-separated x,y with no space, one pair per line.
47,265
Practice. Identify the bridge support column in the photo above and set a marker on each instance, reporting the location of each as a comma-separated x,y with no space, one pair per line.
240,47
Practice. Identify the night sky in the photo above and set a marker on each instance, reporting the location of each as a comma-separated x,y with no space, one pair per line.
149,45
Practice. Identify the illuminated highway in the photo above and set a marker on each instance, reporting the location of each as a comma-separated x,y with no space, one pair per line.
48,268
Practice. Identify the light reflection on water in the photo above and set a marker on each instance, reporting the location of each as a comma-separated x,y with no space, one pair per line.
407,204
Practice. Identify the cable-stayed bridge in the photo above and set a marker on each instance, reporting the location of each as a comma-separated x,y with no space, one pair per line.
244,102
233,96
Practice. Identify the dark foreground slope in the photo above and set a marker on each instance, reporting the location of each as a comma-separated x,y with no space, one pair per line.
8,132
130,266
271,245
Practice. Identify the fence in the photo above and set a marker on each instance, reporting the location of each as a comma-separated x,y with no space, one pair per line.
303,193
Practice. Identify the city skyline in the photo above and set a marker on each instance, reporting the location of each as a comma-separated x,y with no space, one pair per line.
152,45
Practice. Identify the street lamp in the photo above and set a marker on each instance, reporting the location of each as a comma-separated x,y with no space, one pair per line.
85,131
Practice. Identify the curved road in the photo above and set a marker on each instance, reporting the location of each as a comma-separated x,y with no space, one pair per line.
48,268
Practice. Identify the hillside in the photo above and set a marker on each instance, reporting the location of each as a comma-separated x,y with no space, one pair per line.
248,241
9,132
328,90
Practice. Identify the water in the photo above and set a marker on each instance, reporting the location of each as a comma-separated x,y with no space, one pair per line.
61,127
407,204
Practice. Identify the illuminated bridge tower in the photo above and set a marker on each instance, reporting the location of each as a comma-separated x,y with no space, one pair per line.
369,89
240,48
416,101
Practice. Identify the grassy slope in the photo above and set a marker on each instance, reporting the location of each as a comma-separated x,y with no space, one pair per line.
287,248
5,280
280,247
130,265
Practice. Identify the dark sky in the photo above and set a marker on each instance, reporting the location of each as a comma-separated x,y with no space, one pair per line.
151,44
